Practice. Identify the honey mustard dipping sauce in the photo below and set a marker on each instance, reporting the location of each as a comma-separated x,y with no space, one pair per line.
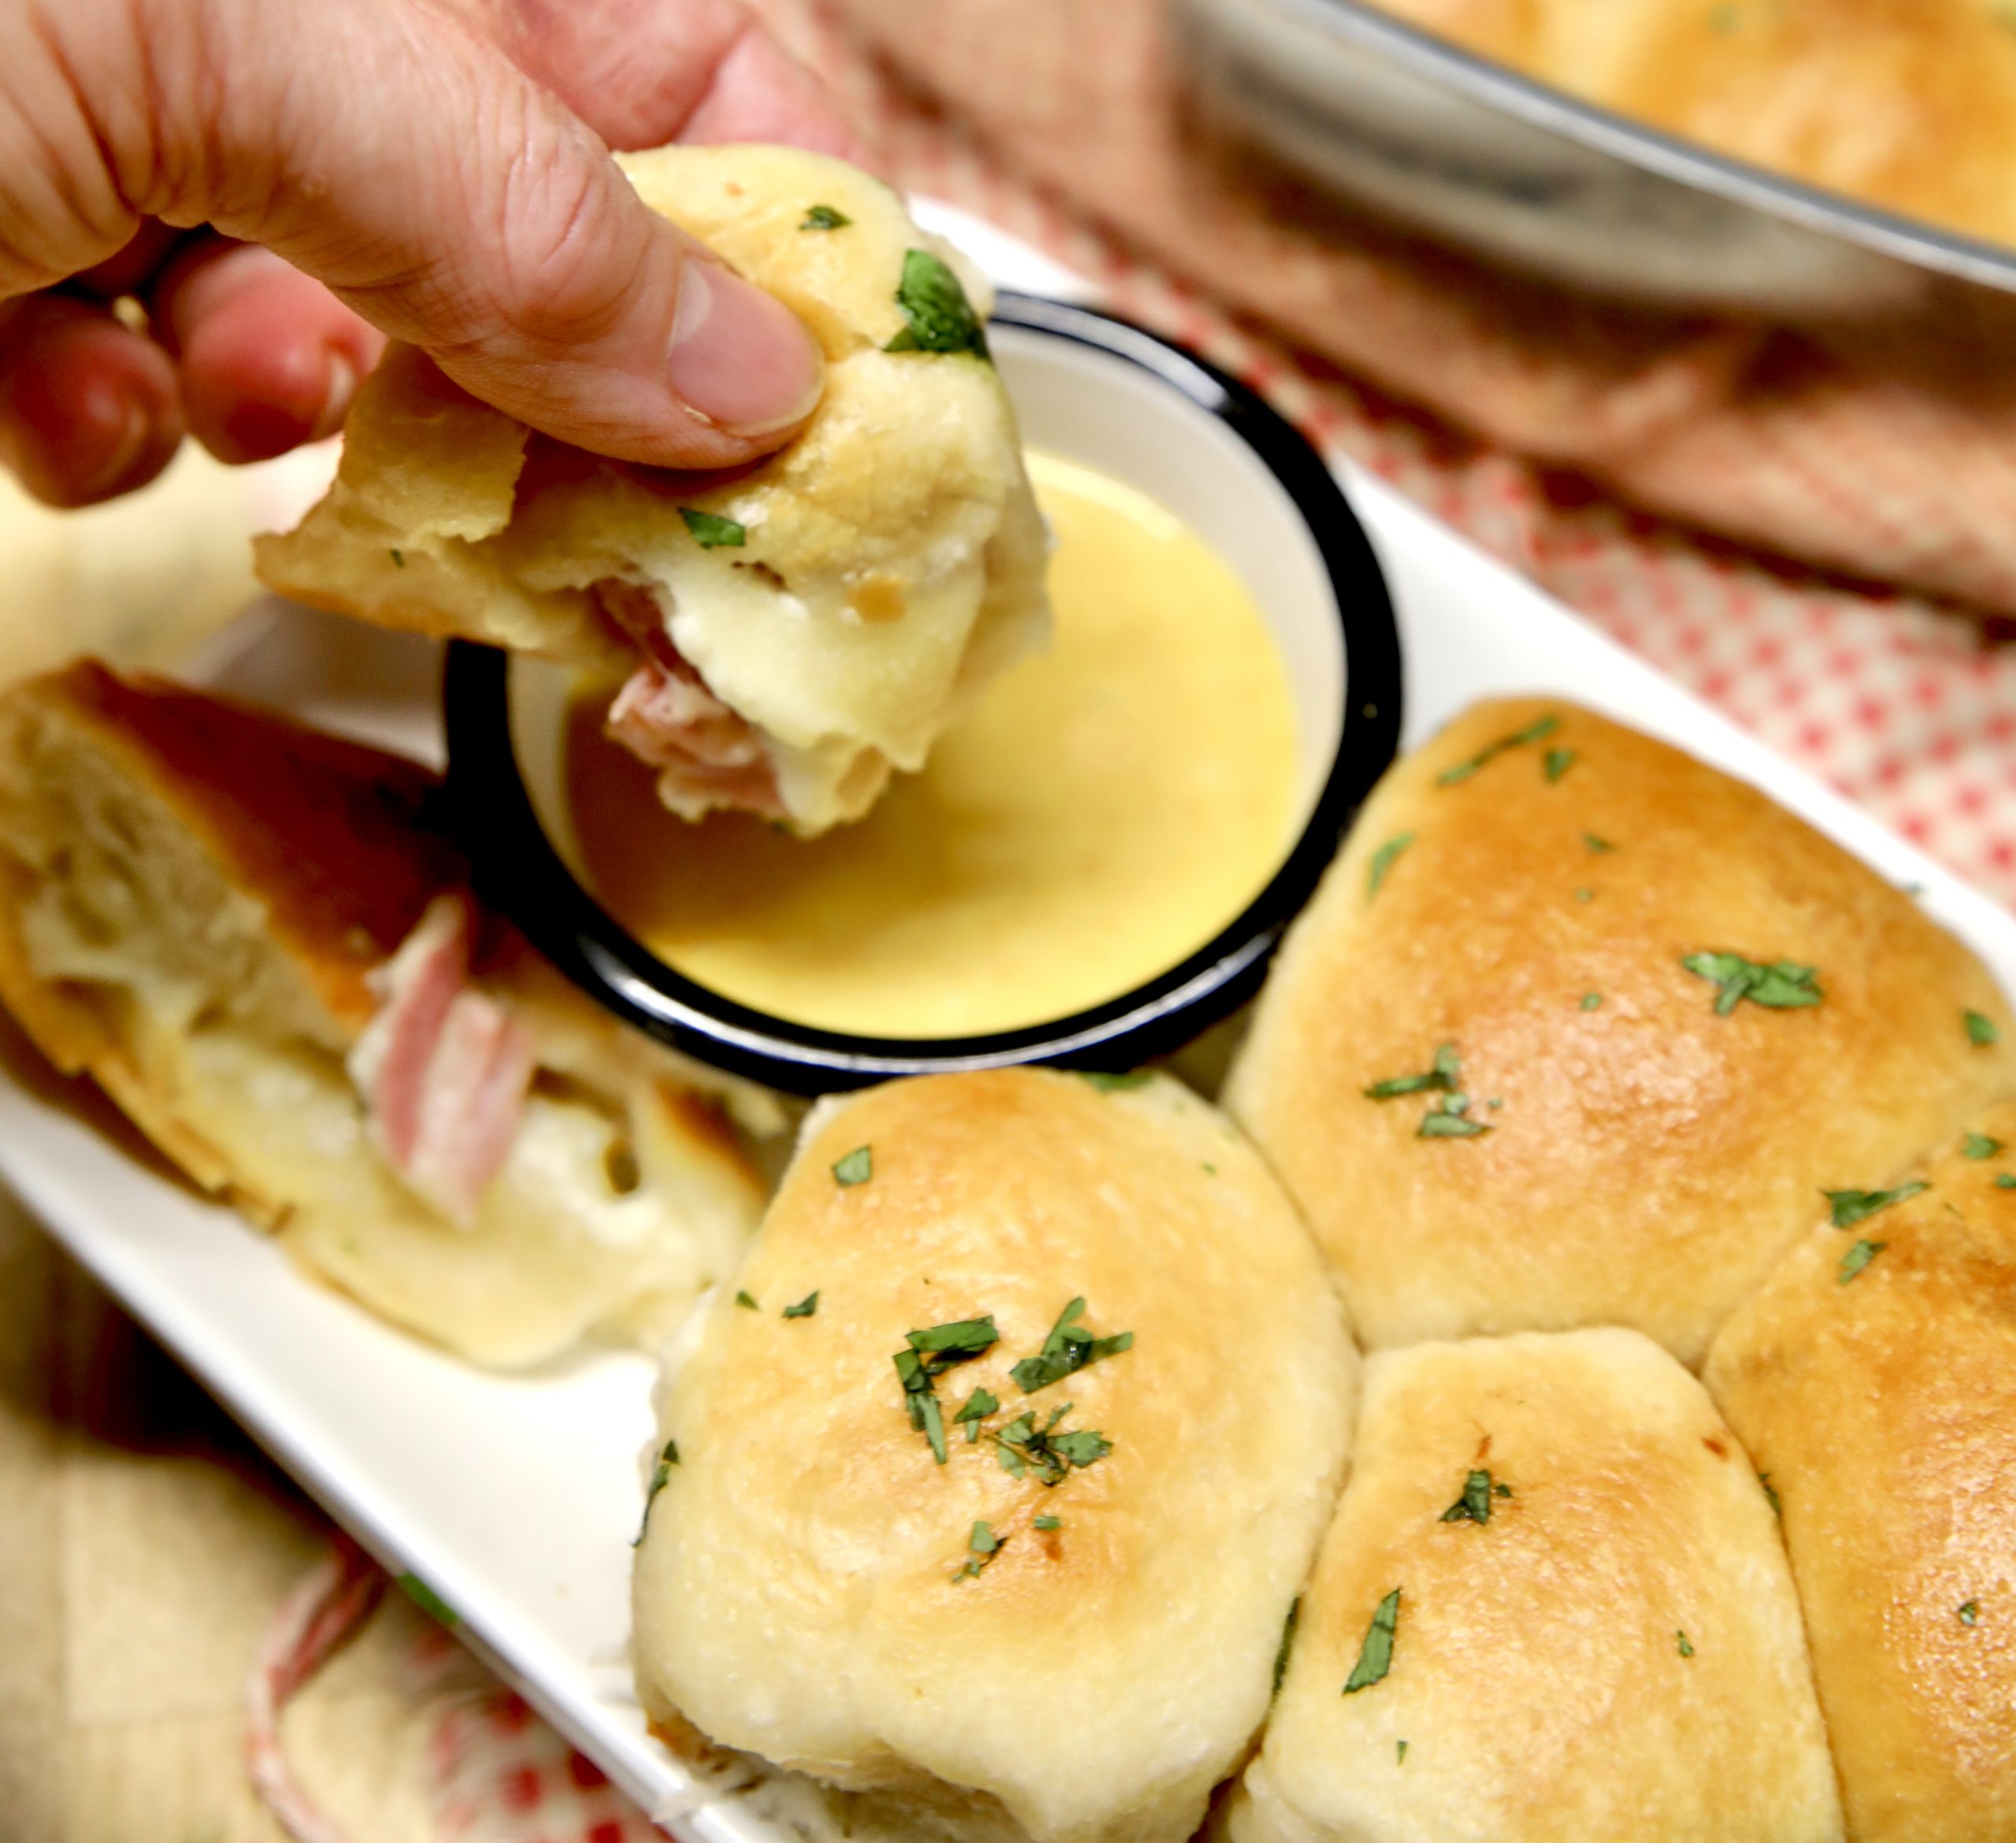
1106,808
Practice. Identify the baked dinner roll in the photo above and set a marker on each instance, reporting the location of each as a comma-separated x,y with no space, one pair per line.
778,639
1552,1608
1577,1028
1908,104
1874,1378
248,935
978,1593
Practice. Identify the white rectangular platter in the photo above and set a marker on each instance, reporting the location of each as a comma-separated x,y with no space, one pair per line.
515,1499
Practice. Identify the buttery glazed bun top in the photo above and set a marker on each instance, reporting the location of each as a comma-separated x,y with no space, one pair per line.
1874,1379
1638,1140
803,1591
1596,1636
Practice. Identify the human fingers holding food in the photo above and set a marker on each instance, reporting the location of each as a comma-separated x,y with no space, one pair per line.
444,171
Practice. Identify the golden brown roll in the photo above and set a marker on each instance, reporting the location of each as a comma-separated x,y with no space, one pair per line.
1033,1602
782,636
1552,1608
1906,104
251,937
1577,1028
1874,1378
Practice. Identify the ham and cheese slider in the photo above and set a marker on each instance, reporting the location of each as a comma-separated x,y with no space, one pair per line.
985,1494
249,936
777,640
1874,1379
1553,1608
1577,1028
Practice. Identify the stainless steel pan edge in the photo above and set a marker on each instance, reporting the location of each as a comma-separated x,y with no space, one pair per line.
1479,157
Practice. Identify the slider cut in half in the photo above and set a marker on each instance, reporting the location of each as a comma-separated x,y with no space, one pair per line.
776,639
1874,1379
247,934
1577,1028
1553,1608
987,1490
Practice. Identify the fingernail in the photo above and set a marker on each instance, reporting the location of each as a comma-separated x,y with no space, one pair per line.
336,405
740,358
135,430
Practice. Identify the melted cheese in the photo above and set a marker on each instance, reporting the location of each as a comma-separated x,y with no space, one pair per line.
1104,810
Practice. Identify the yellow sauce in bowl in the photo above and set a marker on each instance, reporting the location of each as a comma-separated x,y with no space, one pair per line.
1104,810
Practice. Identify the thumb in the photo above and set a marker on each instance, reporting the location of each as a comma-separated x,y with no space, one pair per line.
389,150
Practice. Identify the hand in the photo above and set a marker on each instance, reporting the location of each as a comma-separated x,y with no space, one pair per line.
438,168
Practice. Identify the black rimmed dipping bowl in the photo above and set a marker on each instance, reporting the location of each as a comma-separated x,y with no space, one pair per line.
1112,396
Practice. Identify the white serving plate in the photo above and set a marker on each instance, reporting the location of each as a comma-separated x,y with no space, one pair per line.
516,1498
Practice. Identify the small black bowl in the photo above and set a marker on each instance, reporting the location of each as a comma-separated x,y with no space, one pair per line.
1088,385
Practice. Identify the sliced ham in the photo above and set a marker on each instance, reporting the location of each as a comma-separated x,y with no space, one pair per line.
443,1070
706,754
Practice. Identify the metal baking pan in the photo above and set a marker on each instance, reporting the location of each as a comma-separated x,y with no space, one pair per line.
1475,156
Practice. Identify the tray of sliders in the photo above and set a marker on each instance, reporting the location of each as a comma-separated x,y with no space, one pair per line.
1498,1318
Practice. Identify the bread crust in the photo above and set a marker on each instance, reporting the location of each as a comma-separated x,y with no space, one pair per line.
1883,1410
1614,1652
1093,1681
1646,1157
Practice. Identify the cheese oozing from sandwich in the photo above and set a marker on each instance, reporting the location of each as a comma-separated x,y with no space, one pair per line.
251,938
779,638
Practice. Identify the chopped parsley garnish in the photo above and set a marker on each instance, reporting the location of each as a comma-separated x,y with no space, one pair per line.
1375,1655
1981,1031
1686,1648
1108,1083
1545,726
1474,1505
932,1351
1592,1001
1447,1072
1857,1258
1046,1524
1067,1349
429,1601
824,218
983,1545
856,1168
1446,1123
958,1342
1597,844
804,1307
1970,1613
979,1404
1771,1492
1383,860
398,562
742,1299
661,1476
1585,896
2005,1181
1287,1645
1781,986
1022,1448
1851,1207
1399,1753
713,532
1557,762
941,318
1978,1145
1446,1117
